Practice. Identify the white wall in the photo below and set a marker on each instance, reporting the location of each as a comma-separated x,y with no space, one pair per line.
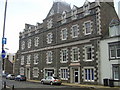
105,64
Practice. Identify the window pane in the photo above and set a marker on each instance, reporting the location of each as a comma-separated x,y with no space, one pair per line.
75,54
116,72
118,52
92,72
85,74
112,51
89,74
89,53
87,26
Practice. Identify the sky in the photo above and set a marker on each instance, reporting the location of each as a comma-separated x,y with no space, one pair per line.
20,12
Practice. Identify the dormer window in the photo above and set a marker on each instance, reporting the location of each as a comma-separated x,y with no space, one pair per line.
114,29
86,8
74,13
64,17
51,12
49,23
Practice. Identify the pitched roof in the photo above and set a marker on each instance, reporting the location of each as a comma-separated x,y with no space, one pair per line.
59,7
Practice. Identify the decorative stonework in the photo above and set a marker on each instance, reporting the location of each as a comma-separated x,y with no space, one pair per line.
23,45
49,38
29,43
98,18
49,23
35,72
22,71
36,41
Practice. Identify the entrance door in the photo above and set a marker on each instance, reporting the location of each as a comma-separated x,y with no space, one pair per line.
76,76
28,73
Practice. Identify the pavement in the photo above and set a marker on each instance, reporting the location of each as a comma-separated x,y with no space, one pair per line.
98,87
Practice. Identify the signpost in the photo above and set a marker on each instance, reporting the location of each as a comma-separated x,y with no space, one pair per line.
3,53
4,40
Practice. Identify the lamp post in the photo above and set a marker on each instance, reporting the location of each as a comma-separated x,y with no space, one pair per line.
3,52
3,37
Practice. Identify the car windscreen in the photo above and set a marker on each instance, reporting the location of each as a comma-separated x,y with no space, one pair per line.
55,77
22,76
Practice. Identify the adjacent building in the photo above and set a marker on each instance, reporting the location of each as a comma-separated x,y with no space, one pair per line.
9,63
67,43
110,53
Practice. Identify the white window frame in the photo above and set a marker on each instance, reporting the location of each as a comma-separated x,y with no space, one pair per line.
75,32
89,68
49,57
28,59
64,73
115,48
85,28
35,74
73,54
116,51
36,59
36,43
64,34
23,45
22,60
112,48
29,43
86,53
62,55
22,71
49,38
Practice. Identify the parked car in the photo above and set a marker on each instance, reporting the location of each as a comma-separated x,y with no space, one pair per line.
20,78
51,80
10,76
4,74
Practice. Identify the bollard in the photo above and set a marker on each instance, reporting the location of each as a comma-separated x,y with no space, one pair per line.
13,87
4,85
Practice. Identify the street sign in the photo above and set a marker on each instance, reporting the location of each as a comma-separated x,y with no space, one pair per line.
4,40
3,53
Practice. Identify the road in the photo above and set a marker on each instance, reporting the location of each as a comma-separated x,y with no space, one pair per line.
33,85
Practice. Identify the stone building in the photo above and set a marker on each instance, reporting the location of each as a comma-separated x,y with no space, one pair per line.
66,44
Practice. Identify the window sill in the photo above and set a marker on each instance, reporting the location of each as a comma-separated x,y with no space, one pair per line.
88,80
87,34
49,62
75,61
88,60
35,63
63,61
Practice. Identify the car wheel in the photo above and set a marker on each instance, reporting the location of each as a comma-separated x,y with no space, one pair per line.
42,82
59,84
51,83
